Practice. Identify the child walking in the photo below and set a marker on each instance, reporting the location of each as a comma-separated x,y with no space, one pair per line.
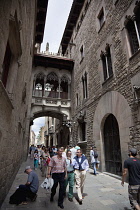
36,159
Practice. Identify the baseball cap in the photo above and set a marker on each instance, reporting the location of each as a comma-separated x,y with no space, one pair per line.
27,167
133,151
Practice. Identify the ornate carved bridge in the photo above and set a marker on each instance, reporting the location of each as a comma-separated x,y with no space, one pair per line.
51,94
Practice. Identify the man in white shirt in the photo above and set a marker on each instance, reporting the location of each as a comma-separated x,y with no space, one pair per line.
73,152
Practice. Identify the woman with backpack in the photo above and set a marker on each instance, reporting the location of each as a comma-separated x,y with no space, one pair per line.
94,158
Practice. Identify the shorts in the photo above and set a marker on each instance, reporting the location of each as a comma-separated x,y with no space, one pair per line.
134,194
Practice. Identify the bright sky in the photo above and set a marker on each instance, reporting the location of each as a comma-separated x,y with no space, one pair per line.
57,15
39,122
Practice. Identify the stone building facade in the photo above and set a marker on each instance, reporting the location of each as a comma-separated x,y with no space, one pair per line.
32,137
19,31
103,37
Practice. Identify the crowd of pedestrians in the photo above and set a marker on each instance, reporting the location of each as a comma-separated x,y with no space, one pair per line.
68,167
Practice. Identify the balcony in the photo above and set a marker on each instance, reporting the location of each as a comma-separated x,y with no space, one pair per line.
53,102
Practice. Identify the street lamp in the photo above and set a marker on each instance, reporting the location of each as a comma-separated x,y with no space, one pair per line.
68,123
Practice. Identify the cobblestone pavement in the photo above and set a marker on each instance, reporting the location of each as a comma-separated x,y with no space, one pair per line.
101,192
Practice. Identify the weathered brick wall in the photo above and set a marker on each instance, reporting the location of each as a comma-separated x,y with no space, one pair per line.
123,68
14,121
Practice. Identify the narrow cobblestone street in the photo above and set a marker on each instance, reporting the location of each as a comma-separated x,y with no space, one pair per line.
101,192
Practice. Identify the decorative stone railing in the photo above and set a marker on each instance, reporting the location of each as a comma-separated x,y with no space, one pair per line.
51,102
52,54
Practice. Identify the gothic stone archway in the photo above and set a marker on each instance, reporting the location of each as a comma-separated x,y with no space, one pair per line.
112,103
113,160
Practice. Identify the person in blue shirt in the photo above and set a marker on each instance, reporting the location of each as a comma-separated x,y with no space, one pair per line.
81,166
31,187
70,175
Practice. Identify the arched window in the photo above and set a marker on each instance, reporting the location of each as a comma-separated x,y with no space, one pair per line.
107,63
64,87
52,84
85,86
39,85
132,24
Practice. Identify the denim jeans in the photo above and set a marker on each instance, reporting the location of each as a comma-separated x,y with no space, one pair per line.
94,167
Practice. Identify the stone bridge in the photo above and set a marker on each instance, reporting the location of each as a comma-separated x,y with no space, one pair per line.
51,93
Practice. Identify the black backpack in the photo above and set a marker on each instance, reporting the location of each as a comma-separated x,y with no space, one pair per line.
95,154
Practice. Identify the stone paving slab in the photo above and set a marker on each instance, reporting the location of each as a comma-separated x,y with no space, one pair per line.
102,192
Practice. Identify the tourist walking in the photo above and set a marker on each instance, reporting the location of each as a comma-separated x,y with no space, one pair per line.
45,162
57,167
39,153
33,148
73,152
51,151
132,167
41,156
70,176
36,159
81,166
63,152
94,158
54,150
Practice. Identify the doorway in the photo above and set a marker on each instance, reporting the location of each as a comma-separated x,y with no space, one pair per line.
113,159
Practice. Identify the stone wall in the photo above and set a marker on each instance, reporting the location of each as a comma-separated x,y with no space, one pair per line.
125,68
17,24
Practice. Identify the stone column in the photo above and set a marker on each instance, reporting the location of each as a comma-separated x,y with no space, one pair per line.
70,132
44,87
69,90
33,92
59,88
107,65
